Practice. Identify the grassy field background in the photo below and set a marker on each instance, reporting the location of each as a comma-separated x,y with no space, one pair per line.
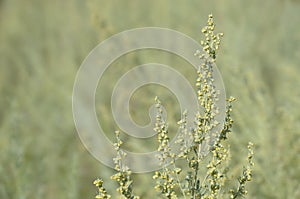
42,44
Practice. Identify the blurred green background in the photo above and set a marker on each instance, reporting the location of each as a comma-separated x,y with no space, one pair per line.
42,44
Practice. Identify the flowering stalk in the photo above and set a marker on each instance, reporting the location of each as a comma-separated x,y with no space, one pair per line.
207,97
166,179
245,177
123,176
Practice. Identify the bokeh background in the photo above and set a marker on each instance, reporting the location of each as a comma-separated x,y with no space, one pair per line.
42,44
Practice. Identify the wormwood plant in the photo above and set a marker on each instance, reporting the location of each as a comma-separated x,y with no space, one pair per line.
187,180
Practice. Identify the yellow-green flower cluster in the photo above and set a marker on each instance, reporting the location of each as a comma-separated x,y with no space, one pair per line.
206,91
212,41
123,176
118,160
166,183
161,129
102,194
166,178
184,139
215,170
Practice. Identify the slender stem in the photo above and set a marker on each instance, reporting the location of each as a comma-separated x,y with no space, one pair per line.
196,174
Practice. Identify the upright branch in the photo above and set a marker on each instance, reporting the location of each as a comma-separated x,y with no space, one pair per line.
123,176
167,178
205,120
245,177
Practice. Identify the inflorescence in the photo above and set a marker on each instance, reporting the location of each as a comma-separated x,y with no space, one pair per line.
189,181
